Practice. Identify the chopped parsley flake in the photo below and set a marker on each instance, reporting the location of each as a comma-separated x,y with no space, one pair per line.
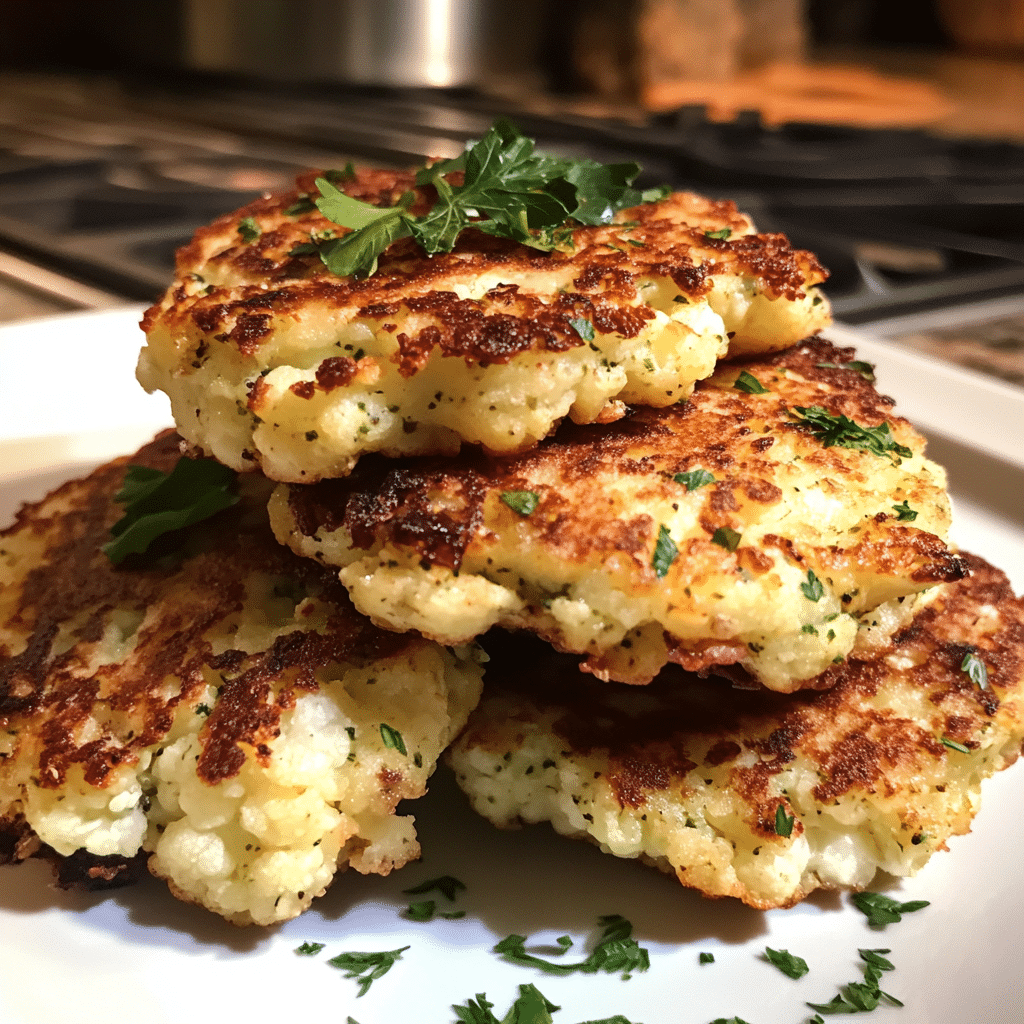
422,911
523,502
531,1007
975,669
720,233
881,909
367,967
843,432
750,384
906,513
954,745
866,370
615,953
665,552
249,229
392,739
583,327
812,589
446,885
694,478
783,822
726,538
301,205
309,948
707,958
861,996
790,964
203,709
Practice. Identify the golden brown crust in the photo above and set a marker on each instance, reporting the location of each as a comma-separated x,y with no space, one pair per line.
230,289
725,431
52,698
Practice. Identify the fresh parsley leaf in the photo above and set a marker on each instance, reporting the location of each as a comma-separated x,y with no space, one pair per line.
392,739
707,958
954,745
881,909
301,205
726,538
347,173
583,327
721,233
843,432
694,478
665,552
812,589
906,513
875,958
790,964
367,967
523,502
866,370
309,948
508,190
446,885
747,382
422,911
975,669
728,1020
617,1019
783,822
616,952
531,1007
156,503
249,229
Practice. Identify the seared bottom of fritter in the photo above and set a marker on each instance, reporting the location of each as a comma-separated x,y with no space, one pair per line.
216,707
753,794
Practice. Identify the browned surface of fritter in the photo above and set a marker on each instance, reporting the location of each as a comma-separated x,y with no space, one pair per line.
48,697
854,734
436,507
248,284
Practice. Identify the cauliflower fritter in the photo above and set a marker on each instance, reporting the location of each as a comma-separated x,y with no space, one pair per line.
723,534
756,795
273,362
216,708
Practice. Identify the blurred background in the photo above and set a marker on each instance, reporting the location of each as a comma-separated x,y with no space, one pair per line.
888,137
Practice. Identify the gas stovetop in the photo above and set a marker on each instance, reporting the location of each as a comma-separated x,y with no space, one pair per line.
103,180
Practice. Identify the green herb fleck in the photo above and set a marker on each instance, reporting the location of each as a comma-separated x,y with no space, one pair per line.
790,964
392,738
707,958
866,370
347,173
616,952
726,538
783,822
812,589
728,1020
583,327
750,384
843,432
694,478
720,233
156,503
523,502
301,205
665,552
954,745
808,628
422,911
249,229
531,1007
881,909
906,513
367,967
309,948
861,996
975,669
446,885
203,709
649,365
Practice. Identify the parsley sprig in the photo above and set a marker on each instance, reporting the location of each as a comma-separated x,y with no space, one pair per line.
616,952
881,909
508,190
843,432
367,967
156,503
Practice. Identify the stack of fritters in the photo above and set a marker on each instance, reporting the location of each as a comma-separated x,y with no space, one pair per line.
625,446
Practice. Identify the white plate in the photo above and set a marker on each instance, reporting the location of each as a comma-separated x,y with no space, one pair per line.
68,400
